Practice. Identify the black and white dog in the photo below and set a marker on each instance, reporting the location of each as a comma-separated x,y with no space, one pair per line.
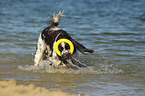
46,44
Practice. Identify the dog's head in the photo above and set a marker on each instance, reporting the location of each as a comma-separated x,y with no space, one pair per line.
64,49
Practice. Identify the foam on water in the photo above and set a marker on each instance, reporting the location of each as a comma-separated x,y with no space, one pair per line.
99,69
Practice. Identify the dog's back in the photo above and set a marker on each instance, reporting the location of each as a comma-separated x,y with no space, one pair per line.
52,34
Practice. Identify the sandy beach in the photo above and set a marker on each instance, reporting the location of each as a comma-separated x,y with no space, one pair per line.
9,88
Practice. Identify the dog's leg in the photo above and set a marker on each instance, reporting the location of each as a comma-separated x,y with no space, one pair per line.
41,46
49,51
69,64
56,62
55,59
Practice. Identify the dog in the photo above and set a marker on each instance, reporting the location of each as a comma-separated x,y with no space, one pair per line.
46,46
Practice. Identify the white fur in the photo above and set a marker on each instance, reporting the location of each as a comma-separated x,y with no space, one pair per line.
41,46
58,16
55,28
55,58
63,45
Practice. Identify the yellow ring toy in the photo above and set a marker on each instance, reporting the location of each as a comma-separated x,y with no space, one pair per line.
66,41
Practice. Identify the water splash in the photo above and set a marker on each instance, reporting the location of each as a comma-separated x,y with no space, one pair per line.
103,55
102,68
99,69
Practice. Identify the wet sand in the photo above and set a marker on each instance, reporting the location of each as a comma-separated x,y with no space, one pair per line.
9,88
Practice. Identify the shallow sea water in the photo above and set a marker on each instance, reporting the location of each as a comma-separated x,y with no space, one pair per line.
115,29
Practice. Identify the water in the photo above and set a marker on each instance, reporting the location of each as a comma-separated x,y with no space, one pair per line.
114,27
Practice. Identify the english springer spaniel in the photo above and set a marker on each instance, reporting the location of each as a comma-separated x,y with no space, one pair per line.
46,46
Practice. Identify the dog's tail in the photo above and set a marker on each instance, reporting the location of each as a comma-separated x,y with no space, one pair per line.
56,18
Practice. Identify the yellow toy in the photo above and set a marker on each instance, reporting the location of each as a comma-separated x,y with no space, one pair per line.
66,41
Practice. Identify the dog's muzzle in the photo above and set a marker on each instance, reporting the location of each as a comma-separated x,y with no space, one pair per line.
65,56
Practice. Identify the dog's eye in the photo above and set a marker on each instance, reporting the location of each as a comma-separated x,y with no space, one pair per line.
67,46
60,48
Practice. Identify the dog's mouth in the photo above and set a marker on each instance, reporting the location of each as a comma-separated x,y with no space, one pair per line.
65,56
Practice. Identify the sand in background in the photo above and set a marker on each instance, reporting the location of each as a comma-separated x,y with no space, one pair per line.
9,88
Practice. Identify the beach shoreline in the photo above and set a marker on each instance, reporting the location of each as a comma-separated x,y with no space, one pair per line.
10,88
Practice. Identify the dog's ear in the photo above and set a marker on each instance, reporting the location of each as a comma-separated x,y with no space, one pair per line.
88,50
60,48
